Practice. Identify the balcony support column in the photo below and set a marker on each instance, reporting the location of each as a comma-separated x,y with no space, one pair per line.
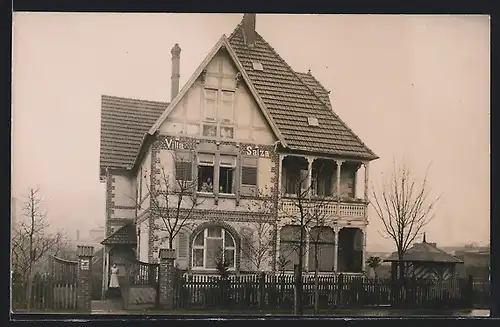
367,172
336,250
280,175
339,165
310,161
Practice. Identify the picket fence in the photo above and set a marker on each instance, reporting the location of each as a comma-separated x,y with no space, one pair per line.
341,291
45,296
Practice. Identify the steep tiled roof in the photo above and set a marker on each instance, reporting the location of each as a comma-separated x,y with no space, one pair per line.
290,100
123,125
316,87
425,252
123,235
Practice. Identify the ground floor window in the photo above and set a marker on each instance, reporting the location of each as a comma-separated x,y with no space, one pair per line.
212,245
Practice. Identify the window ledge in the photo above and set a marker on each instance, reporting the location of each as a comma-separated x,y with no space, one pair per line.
205,194
227,195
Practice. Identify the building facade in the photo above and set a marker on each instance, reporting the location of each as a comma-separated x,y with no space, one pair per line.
253,150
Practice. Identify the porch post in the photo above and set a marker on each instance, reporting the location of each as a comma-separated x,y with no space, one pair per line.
309,175
339,164
84,278
367,172
335,250
278,245
306,250
363,255
105,265
166,278
280,173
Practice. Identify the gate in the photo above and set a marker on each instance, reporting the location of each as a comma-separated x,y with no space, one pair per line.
64,284
141,285
97,273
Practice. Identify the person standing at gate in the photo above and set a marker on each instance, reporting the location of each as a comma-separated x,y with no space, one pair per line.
113,280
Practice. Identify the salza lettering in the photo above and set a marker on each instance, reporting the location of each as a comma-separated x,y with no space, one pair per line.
256,152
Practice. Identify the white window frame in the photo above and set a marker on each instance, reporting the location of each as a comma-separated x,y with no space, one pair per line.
232,166
199,163
203,247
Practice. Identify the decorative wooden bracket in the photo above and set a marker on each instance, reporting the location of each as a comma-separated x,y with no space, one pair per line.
203,76
238,79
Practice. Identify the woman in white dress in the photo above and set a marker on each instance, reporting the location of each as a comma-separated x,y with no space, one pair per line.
113,280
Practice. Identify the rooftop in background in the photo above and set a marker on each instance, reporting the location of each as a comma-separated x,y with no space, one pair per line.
424,252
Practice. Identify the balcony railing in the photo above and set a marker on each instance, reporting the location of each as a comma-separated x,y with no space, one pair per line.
321,207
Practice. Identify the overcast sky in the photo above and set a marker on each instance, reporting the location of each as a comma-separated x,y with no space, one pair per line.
414,88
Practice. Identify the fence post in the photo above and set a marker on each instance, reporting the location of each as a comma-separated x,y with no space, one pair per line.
262,280
470,291
340,290
84,278
166,278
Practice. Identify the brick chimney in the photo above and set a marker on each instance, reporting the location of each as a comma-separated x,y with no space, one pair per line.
176,59
249,29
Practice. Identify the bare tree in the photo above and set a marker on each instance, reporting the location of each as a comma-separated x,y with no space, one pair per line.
405,206
31,241
257,245
176,200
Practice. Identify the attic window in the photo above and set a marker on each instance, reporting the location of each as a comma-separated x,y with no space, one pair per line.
312,121
257,66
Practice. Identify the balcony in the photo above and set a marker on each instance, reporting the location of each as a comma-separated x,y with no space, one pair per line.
325,208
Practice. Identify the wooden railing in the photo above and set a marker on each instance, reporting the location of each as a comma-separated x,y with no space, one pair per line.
290,207
142,273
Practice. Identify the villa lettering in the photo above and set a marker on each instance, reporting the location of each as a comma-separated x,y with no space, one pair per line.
250,151
173,144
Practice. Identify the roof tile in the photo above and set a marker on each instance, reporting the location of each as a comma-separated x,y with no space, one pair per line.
123,235
124,122
305,96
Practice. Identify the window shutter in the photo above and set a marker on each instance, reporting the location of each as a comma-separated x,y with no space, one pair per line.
249,171
183,166
182,244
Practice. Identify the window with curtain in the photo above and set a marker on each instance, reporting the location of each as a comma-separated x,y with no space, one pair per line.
212,244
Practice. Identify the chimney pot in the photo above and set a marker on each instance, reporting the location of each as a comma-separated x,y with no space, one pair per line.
249,29
176,58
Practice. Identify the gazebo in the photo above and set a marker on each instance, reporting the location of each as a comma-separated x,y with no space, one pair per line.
425,261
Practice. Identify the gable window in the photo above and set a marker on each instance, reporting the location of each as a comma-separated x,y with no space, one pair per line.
211,245
227,165
226,112
210,105
205,172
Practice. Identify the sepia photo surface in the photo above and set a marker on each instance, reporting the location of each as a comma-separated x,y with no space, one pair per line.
250,164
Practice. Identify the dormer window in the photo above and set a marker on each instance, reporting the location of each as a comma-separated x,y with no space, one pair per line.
312,121
257,65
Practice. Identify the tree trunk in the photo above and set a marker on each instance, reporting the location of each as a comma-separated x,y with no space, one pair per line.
29,289
298,278
316,289
170,243
316,281
401,269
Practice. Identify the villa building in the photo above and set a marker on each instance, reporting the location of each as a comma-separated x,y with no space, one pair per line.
253,139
